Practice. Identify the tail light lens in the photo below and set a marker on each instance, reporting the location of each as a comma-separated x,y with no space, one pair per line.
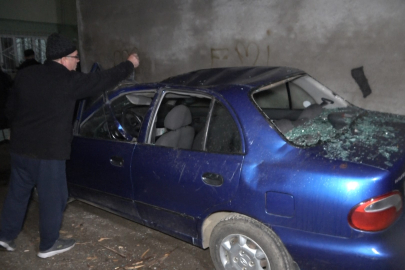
377,213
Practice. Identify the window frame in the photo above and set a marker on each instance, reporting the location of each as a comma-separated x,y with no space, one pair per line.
102,109
108,112
160,97
161,94
208,125
268,87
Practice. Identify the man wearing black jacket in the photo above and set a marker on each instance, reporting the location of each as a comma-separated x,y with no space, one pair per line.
5,84
29,56
40,109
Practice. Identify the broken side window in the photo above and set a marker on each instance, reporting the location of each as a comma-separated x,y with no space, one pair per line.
223,134
129,111
180,117
95,126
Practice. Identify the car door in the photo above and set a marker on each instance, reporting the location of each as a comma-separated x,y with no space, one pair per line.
175,185
100,165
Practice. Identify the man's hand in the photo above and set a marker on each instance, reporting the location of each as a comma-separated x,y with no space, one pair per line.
134,58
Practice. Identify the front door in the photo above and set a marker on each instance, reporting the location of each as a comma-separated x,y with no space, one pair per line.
101,160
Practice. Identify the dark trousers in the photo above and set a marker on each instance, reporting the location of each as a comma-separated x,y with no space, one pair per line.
49,176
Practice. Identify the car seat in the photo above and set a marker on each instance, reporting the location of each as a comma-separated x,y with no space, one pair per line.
180,134
309,113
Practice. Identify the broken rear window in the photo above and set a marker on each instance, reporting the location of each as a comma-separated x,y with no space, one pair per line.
345,132
295,101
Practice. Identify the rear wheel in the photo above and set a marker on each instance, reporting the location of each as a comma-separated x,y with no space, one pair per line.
239,242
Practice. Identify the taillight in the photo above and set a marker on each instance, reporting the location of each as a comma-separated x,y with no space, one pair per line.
377,213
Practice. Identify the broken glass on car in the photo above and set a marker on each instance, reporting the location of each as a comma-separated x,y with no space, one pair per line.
308,114
120,120
129,111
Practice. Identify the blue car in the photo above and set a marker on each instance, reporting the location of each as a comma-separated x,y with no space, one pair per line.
263,165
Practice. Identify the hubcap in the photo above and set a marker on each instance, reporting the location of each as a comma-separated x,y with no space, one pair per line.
239,252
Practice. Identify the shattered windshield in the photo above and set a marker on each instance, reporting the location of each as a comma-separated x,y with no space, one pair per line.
319,117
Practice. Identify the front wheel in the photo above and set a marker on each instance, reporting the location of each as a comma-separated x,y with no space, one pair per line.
239,242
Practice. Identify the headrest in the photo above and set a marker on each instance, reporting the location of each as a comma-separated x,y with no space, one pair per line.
178,117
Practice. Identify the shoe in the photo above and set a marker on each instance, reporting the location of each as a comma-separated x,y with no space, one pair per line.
60,246
8,245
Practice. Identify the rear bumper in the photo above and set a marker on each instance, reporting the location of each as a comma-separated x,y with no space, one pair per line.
383,250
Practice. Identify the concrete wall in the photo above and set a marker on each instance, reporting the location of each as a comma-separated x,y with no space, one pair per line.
325,38
38,18
48,11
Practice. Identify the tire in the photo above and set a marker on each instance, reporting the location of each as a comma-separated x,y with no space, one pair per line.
239,242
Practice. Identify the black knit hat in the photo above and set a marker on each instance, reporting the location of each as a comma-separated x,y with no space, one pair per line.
58,46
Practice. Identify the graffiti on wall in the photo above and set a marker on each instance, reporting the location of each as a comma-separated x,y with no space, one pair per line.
122,55
246,54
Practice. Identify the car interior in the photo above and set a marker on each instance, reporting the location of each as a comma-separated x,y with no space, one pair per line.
184,121
180,122
179,119
290,104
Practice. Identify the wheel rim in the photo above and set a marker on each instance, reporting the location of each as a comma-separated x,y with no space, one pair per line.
240,252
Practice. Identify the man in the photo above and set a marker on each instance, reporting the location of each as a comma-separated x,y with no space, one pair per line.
29,56
40,108
5,84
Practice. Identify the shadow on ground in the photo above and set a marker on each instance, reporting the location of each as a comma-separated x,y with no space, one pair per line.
104,240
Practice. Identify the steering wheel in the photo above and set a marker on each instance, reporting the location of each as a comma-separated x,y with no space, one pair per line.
131,122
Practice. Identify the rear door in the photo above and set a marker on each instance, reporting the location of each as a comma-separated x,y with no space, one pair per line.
174,186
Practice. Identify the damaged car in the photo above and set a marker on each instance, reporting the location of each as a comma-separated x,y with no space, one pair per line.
265,166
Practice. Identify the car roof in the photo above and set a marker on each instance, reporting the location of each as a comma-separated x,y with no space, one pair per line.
250,77
217,79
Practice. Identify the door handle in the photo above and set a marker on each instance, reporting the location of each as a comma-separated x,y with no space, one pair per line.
117,161
212,179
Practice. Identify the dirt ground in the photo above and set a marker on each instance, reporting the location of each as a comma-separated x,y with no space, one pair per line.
104,240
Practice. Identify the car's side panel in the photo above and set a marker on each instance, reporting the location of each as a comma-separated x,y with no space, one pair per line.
117,205
94,166
383,250
322,190
171,180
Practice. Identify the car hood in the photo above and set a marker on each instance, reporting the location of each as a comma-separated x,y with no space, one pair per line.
354,135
